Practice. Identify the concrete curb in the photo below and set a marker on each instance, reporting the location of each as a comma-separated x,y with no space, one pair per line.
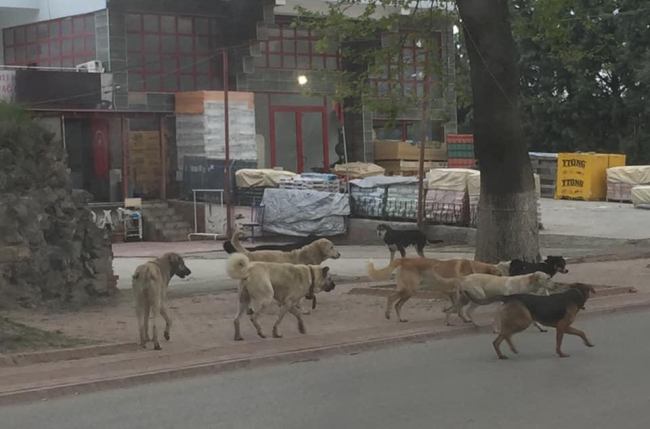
301,355
22,359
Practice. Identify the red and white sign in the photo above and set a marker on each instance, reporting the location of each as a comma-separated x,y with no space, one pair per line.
7,85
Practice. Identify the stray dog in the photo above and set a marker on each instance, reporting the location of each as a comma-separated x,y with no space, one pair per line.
558,311
412,272
400,239
551,266
482,286
311,254
150,282
302,242
260,283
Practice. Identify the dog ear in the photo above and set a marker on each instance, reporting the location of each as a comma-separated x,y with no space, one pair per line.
591,289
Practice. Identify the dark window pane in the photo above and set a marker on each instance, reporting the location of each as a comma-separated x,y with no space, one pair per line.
78,45
274,46
152,63
151,43
202,65
43,50
274,31
168,43
90,24
55,29
185,25
169,64
170,83
78,25
202,82
79,60
66,46
168,24
289,62
135,81
202,45
260,61
303,62
10,55
133,23
201,26
31,34
274,61
134,61
20,54
134,42
303,46
20,35
317,62
185,44
31,52
90,44
67,63
150,23
331,63
55,62
187,83
302,33
43,64
66,27
152,83
288,32
42,31
289,46
8,37
186,64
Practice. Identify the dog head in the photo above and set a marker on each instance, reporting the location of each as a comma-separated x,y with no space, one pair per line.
321,282
177,265
503,268
542,280
584,290
558,263
382,228
327,249
497,270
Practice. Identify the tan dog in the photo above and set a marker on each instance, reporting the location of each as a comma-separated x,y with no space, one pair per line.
412,272
150,282
311,254
520,310
261,283
481,286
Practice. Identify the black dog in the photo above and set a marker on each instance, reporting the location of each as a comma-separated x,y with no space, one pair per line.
302,242
400,239
551,266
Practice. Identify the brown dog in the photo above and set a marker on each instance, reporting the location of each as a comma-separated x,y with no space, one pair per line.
150,282
413,272
558,311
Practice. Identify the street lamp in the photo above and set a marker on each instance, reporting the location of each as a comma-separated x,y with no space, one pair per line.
302,80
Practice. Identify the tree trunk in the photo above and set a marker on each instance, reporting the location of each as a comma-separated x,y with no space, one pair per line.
507,217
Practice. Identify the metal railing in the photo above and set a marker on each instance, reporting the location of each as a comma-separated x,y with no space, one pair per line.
434,213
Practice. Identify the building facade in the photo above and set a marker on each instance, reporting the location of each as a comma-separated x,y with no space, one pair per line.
121,141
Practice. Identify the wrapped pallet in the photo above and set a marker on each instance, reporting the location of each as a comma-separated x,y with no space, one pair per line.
641,196
358,170
621,180
402,201
447,199
261,178
369,196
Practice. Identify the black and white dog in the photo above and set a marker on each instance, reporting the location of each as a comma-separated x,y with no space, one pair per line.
551,266
400,239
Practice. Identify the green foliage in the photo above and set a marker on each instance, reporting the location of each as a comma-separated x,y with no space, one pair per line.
373,37
585,74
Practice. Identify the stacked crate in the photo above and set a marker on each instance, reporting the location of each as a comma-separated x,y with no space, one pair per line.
460,151
367,202
311,183
401,158
402,201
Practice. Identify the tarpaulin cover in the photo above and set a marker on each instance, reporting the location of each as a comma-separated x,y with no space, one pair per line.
359,170
301,212
376,181
631,175
640,195
450,179
261,178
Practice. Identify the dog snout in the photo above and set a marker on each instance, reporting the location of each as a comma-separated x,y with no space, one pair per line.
337,255
329,286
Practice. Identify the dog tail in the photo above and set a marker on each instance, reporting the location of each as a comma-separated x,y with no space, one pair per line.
236,244
237,266
383,273
229,248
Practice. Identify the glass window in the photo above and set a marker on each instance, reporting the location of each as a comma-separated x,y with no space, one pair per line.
78,25
186,82
31,34
8,37
168,44
274,61
42,31
66,46
134,42
168,24
55,29
202,26
20,35
78,44
89,44
66,27
152,83
151,24
10,55
135,81
90,24
185,44
152,63
170,83
185,25
151,43
133,23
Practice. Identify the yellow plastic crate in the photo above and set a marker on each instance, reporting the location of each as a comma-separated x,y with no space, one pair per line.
616,160
582,176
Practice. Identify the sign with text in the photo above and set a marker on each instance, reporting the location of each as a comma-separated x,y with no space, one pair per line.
7,85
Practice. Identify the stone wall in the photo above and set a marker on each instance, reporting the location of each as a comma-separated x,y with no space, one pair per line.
50,249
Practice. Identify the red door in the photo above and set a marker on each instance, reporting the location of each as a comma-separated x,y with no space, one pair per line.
299,140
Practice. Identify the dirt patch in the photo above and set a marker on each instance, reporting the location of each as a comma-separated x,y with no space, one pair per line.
16,337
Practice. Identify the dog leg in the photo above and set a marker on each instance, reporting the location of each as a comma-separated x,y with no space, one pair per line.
283,311
389,302
254,317
304,312
168,321
420,250
468,312
398,307
244,303
392,253
573,331
559,334
155,310
540,327
139,314
147,309
511,345
497,343
296,312
402,251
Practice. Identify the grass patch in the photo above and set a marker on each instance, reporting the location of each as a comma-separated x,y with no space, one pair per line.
16,337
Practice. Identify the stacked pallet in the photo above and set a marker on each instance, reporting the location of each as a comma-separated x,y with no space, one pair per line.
545,165
401,158
460,151
447,200
621,180
313,182
402,201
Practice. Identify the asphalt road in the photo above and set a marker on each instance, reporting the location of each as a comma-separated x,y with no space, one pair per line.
455,383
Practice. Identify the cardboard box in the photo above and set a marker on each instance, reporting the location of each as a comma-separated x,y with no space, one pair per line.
408,151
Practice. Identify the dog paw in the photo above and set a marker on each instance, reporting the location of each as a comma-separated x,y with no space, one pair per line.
306,312
503,357
239,338
563,355
301,328
166,335
387,316
250,312
588,344
157,347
